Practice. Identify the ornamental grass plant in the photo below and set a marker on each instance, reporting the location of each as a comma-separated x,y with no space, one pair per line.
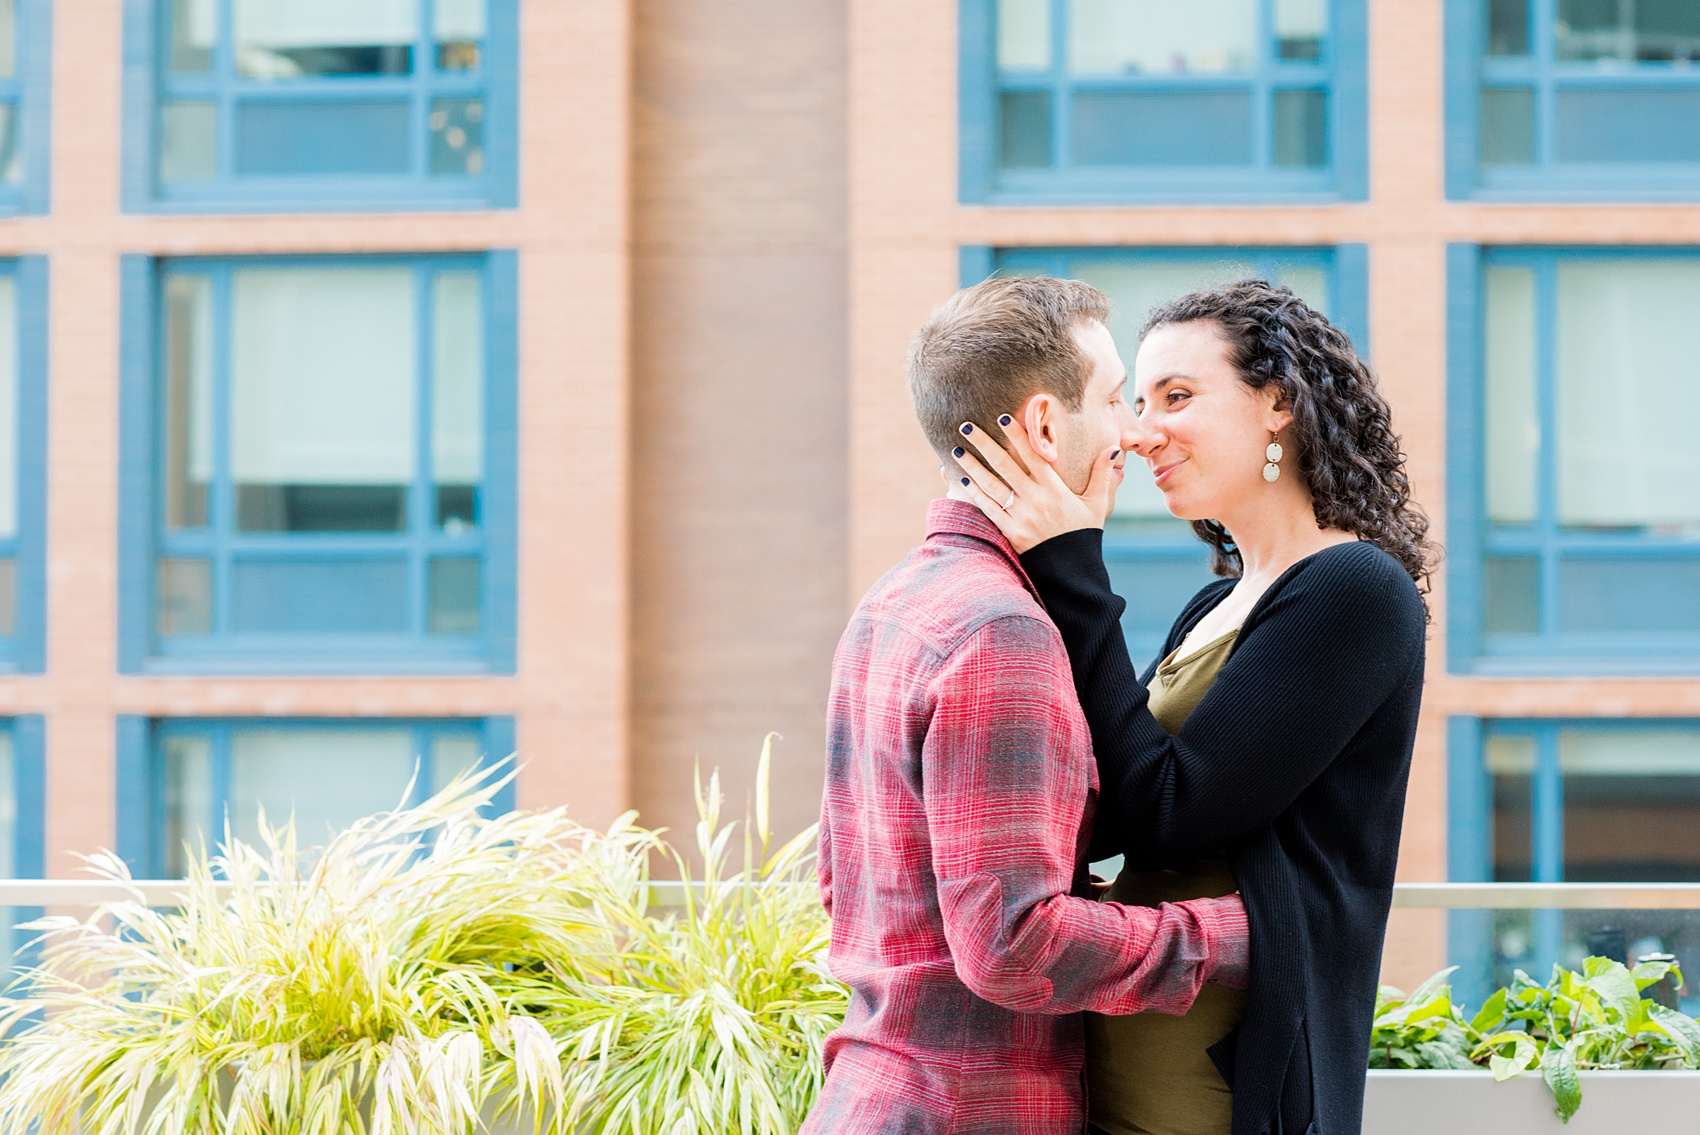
429,970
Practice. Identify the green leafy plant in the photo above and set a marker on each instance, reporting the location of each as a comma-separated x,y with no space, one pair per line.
1595,1019
1423,1030
434,970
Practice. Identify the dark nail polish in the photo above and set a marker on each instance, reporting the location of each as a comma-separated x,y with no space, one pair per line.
966,428
965,482
1004,421
957,452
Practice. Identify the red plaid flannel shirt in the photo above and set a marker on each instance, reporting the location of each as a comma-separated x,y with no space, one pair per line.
959,794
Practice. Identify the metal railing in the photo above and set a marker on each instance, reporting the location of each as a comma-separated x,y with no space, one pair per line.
1406,896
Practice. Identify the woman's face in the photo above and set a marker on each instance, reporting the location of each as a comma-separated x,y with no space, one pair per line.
1201,430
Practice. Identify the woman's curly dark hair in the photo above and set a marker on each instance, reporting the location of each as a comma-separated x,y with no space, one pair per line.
1348,454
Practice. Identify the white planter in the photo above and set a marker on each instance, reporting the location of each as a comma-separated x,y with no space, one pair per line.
1471,1103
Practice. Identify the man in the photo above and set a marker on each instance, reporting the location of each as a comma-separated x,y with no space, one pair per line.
960,781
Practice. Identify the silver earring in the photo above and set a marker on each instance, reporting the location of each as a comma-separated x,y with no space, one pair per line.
1272,471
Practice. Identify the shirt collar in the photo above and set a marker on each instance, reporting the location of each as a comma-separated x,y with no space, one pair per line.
947,516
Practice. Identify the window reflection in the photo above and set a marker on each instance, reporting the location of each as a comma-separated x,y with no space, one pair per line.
1623,328
324,422
458,27
286,39
1631,804
1646,31
1118,37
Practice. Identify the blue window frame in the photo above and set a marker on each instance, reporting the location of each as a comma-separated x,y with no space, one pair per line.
1593,801
319,467
26,49
300,105
1147,100
1573,481
26,87
23,812
23,464
1580,99
1155,561
180,780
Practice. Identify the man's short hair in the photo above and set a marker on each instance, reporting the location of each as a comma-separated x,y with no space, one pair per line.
991,347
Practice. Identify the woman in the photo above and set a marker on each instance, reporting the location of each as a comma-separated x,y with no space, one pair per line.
1267,749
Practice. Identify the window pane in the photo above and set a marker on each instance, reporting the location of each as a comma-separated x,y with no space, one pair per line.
194,31
1119,37
1300,26
1657,125
457,396
188,141
458,26
319,595
323,387
1647,31
451,756
281,39
1508,27
1629,595
1631,804
455,596
187,804
8,407
8,596
11,156
1511,764
1628,394
327,777
1163,128
8,38
457,136
184,596
281,137
187,448
1511,595
1301,128
1137,289
1024,35
1508,126
1307,282
8,808
1156,588
1025,129
1513,426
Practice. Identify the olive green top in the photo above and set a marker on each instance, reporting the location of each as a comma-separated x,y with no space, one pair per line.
1148,1074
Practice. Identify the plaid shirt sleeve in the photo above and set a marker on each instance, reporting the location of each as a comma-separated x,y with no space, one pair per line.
1005,776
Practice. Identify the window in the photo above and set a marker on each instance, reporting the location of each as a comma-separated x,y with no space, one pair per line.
330,449
23,463
1155,561
180,781
25,90
1112,100
23,811
1576,801
303,104
1575,540
1555,98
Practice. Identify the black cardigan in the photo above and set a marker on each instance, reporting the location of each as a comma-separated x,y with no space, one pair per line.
1295,763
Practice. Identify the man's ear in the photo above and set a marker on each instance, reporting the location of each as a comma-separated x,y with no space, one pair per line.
1042,418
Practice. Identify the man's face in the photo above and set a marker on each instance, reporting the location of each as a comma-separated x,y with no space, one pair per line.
1105,419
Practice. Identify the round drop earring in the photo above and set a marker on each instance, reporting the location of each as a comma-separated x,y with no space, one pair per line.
1272,471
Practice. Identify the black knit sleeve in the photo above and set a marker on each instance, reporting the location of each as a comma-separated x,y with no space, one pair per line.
1319,655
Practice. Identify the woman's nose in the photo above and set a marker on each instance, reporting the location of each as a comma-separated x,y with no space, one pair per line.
1141,437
